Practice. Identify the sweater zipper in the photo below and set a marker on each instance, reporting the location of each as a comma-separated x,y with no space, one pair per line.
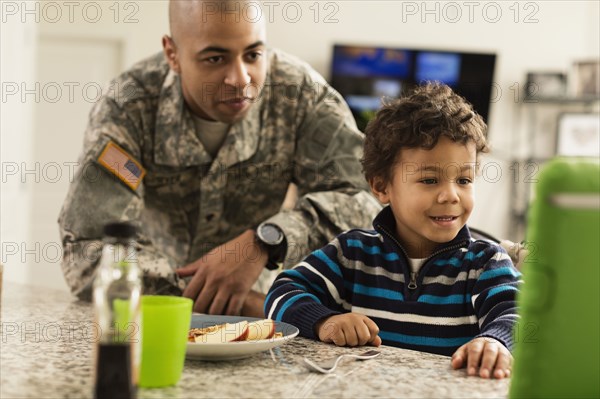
412,285
413,281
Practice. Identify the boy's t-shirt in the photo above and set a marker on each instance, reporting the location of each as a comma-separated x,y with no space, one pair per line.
415,264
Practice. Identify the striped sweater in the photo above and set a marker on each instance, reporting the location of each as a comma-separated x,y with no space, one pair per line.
466,289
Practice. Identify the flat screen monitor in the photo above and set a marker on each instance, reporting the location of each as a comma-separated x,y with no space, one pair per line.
364,75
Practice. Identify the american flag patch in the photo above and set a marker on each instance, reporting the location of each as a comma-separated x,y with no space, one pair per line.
118,162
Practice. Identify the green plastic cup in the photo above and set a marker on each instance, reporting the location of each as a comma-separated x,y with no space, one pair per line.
165,324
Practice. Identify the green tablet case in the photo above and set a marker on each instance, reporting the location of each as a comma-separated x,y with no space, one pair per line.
557,338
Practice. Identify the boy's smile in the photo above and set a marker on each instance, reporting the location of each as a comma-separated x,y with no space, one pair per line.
431,194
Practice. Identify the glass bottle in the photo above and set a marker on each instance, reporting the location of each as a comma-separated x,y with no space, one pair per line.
116,294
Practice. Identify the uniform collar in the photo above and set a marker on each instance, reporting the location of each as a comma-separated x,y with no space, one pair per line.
176,143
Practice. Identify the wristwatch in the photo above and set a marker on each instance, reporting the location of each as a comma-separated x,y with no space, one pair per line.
272,239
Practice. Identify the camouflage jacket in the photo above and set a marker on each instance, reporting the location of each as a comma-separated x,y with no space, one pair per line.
299,131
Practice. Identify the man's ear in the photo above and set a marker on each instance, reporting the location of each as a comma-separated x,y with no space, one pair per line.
379,189
170,52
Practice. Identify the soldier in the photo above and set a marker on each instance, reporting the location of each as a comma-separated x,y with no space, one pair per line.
198,145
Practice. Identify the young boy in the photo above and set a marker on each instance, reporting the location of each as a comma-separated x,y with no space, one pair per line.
418,281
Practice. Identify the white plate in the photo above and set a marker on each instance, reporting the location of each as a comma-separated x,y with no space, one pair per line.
234,350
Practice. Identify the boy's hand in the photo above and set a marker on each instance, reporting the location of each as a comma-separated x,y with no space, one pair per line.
348,329
487,354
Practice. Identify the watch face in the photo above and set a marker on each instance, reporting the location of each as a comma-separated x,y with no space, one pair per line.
270,234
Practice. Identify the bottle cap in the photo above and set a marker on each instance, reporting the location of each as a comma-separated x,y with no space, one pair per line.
120,230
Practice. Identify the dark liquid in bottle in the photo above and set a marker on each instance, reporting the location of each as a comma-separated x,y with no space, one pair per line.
113,372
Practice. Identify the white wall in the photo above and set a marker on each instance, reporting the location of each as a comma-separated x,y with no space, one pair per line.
51,51
17,66
559,33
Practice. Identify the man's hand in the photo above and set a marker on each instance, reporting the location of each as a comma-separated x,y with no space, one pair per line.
348,329
223,277
486,354
254,305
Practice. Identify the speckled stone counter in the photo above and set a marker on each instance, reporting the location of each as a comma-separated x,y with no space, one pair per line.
46,348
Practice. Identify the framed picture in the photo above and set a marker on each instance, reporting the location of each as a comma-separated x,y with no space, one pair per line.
586,78
578,135
546,85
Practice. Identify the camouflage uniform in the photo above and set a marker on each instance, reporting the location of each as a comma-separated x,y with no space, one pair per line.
299,130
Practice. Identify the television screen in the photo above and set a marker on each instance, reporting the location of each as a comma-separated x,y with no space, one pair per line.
443,67
364,75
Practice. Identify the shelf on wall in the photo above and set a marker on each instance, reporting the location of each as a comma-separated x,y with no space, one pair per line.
537,110
561,100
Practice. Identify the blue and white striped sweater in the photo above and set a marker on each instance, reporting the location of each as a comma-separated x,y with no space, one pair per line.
466,290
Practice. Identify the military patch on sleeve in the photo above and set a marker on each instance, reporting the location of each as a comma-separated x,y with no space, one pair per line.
118,162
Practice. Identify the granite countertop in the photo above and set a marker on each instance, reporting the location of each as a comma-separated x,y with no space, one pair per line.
46,352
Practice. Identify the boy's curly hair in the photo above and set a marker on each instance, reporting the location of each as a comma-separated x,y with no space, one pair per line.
418,121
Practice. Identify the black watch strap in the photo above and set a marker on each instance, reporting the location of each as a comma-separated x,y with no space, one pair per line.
271,265
272,258
273,241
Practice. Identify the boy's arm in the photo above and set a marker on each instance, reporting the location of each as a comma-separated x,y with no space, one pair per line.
311,297
310,292
494,297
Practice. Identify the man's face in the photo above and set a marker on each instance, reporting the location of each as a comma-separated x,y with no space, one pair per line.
431,194
222,65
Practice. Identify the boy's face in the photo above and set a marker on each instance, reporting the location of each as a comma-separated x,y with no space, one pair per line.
431,194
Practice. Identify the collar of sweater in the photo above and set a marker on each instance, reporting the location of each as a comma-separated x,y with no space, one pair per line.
385,224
